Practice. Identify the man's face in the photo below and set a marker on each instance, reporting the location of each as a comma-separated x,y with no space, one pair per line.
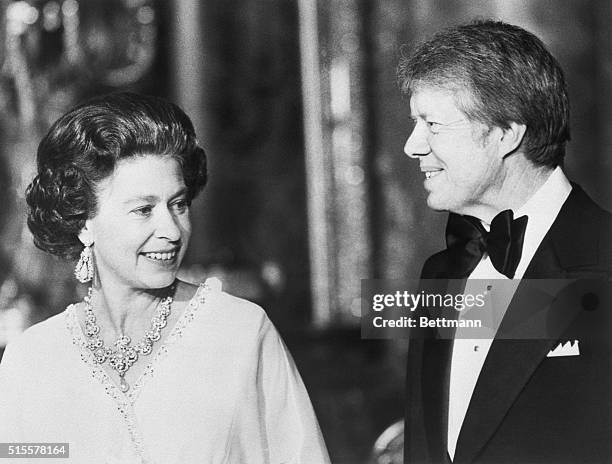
462,164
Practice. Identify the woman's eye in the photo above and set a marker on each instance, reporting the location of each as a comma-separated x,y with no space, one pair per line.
144,210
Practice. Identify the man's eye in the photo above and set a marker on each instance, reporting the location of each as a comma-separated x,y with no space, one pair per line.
434,126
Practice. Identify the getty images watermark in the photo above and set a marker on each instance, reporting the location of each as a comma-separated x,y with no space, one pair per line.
511,309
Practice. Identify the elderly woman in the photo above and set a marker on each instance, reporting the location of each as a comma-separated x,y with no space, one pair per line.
147,368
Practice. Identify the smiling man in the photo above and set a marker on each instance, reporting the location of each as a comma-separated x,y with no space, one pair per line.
491,119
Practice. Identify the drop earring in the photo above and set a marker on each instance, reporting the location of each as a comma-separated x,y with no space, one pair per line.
84,269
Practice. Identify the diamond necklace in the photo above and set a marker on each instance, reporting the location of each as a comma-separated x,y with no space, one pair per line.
123,356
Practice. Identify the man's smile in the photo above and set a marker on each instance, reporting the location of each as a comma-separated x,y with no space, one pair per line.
431,171
430,174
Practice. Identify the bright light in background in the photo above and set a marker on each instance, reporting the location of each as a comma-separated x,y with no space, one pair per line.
70,8
340,88
19,16
12,323
14,312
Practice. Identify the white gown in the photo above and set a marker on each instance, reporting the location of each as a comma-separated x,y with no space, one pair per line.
221,389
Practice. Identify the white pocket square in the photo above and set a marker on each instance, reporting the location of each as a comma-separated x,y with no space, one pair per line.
568,348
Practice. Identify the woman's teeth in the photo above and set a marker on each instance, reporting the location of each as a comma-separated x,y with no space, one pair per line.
161,256
430,174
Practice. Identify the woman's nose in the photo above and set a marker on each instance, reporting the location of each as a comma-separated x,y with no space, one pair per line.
167,226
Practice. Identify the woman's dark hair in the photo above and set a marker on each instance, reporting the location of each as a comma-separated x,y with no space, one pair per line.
83,147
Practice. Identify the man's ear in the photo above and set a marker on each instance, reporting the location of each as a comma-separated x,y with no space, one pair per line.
86,234
511,138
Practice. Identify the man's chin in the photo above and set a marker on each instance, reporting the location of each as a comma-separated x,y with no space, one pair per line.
437,205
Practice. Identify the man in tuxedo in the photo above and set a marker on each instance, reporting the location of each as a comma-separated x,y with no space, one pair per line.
491,120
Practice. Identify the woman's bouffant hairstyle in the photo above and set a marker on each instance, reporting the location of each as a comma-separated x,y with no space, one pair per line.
84,146
507,75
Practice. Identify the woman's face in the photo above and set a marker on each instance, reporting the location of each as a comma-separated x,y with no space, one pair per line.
142,227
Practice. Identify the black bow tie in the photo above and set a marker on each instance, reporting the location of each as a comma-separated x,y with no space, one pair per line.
467,241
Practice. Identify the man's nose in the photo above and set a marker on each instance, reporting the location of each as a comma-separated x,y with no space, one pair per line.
417,144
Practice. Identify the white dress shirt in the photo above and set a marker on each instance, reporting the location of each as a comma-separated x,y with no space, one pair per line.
469,355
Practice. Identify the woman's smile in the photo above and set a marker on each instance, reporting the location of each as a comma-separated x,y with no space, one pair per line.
161,256
164,258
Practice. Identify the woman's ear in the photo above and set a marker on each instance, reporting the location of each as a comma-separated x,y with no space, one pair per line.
86,234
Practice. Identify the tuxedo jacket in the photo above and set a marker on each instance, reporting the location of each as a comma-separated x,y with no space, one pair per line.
527,407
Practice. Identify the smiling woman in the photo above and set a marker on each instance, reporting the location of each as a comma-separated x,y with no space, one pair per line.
153,216
147,368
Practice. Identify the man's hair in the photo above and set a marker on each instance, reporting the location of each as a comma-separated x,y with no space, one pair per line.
499,74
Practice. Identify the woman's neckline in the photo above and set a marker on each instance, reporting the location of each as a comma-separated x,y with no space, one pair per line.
107,376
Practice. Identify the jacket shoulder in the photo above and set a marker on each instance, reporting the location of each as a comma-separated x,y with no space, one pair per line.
582,234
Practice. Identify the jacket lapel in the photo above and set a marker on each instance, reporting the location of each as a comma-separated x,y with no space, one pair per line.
501,380
436,395
508,367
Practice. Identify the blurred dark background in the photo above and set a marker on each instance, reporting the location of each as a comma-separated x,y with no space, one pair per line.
297,106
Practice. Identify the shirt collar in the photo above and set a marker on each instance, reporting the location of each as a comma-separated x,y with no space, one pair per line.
541,210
